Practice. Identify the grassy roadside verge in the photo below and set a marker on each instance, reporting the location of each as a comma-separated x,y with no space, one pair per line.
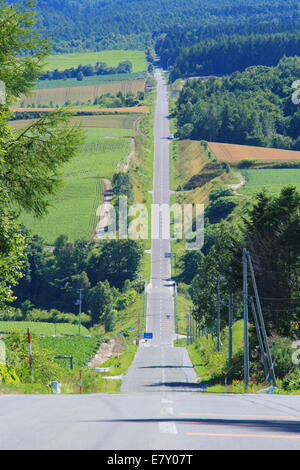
213,371
141,171
183,305
46,347
210,365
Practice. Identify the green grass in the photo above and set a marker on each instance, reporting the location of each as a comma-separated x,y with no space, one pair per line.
73,210
111,58
207,361
89,81
273,180
118,365
183,304
141,171
125,123
122,122
41,328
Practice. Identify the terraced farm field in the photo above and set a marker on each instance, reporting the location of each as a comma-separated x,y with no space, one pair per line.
59,96
74,208
273,180
236,153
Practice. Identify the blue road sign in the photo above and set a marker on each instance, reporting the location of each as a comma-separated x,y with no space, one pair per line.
168,255
148,335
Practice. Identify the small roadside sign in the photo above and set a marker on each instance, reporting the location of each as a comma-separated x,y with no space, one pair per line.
103,369
148,335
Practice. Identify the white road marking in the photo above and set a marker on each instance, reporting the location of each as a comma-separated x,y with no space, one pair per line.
167,428
166,407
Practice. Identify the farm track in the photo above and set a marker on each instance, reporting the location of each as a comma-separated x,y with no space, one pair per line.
98,197
238,185
128,159
108,190
104,209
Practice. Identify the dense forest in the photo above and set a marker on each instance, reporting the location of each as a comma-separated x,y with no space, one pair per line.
275,256
253,107
228,54
108,24
170,45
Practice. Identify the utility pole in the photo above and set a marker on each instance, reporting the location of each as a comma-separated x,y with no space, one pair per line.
145,304
260,341
193,319
79,303
175,262
230,315
246,320
30,353
124,339
219,313
191,324
261,318
187,329
176,308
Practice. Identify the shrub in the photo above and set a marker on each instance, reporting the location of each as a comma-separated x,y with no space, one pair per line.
220,208
246,164
11,315
281,352
292,381
8,375
39,315
66,318
126,299
221,191
44,369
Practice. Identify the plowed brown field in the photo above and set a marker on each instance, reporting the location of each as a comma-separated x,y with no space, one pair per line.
235,153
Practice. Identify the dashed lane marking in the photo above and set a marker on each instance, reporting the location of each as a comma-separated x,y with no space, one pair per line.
262,436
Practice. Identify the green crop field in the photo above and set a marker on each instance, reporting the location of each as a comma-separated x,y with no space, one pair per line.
88,81
121,122
73,210
125,122
273,180
111,58
82,349
41,328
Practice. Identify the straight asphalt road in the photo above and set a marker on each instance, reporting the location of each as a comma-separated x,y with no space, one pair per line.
178,421
161,406
158,365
